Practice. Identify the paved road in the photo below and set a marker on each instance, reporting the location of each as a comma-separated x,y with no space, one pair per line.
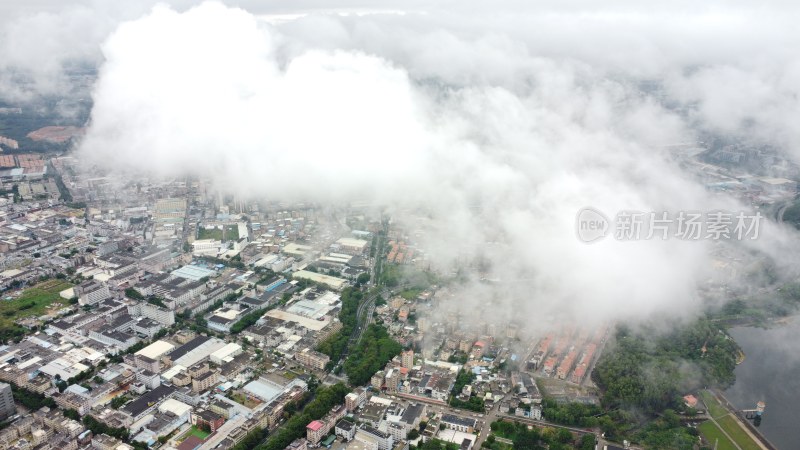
485,420
490,417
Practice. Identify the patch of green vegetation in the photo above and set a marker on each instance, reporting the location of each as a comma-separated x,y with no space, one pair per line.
643,376
492,443
156,301
524,438
247,320
392,275
335,345
326,398
436,444
34,301
375,349
715,409
458,358
242,399
252,438
410,294
226,233
647,370
667,432
209,233
98,427
194,431
737,433
118,401
133,293
63,191
474,403
574,414
30,399
714,435
231,232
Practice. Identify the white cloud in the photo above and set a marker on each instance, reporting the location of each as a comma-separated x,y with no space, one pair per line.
499,122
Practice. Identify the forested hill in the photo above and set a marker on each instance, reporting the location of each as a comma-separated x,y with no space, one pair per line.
651,371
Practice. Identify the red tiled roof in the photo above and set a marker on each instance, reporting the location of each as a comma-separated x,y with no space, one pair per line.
315,425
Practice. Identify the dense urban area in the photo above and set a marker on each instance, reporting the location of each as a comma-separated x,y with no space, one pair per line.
163,314
143,311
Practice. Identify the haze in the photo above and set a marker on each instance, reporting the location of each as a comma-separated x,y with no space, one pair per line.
484,126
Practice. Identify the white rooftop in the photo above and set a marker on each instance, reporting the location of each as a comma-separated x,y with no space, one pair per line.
194,273
156,350
175,407
305,322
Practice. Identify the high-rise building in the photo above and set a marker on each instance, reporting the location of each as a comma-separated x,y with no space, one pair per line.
407,359
7,406
377,380
392,380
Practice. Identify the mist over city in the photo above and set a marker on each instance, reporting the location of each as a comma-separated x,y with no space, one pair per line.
234,225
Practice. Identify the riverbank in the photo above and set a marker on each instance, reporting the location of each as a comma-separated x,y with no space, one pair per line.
769,374
725,428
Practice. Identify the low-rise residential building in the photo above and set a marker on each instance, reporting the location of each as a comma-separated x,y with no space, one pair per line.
458,423
91,292
345,429
207,418
313,359
205,380
374,437
316,430
355,399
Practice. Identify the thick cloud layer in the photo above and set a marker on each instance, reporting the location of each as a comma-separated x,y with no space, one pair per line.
497,124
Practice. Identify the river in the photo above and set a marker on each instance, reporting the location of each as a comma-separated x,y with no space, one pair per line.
770,372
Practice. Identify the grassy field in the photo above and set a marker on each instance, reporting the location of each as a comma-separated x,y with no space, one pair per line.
410,294
209,233
230,233
194,431
712,433
738,433
34,301
715,409
727,422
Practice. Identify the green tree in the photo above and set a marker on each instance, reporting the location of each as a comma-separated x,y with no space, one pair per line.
375,349
295,426
587,442
564,436
118,401
526,439
72,414
98,427
133,293
30,399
